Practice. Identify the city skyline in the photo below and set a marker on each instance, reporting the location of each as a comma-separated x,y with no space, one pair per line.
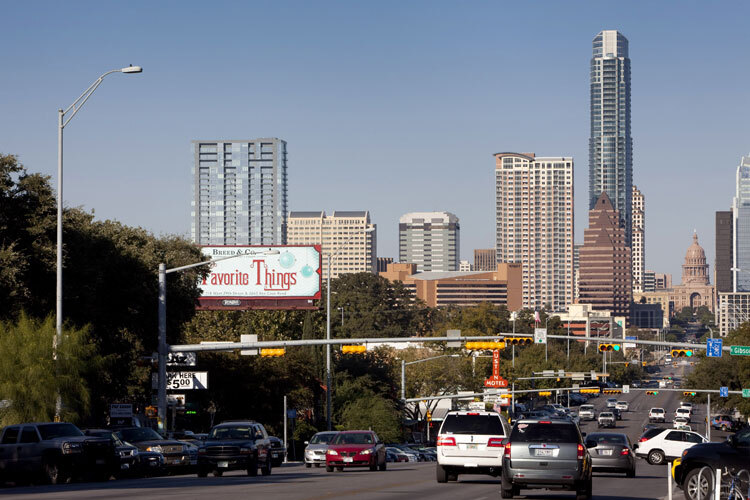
336,102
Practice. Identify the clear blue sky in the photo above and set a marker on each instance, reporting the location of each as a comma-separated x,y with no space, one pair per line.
386,106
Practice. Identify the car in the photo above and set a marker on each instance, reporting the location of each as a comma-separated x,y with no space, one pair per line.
546,454
400,455
315,451
611,452
277,451
734,454
236,445
652,426
606,419
126,455
725,423
176,454
55,452
586,412
622,406
470,442
355,449
683,412
657,415
681,423
617,413
687,404
611,402
657,446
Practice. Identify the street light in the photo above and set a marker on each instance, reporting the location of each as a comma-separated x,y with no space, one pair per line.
328,324
62,122
163,348
404,364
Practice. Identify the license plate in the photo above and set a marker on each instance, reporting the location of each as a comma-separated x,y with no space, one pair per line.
275,454
605,452
222,465
471,447
544,453
348,459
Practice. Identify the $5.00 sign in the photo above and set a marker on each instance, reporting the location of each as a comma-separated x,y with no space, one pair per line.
183,380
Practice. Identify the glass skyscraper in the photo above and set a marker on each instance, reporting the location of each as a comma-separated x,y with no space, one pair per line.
610,145
741,215
239,192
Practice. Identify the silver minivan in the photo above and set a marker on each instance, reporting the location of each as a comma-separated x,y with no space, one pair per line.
546,454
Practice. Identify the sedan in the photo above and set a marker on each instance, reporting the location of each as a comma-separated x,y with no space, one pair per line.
611,452
176,454
622,406
356,449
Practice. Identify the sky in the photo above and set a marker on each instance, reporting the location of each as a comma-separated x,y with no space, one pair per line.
386,106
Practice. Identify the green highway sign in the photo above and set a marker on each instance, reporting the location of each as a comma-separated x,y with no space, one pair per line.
740,350
746,393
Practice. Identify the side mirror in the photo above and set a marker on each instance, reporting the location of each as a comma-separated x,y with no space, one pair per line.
307,442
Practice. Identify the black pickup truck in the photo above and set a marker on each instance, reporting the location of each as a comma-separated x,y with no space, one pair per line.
54,451
234,446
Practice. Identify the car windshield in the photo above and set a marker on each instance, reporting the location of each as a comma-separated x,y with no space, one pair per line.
137,435
231,432
52,431
541,432
473,424
657,410
587,407
322,438
353,438
622,402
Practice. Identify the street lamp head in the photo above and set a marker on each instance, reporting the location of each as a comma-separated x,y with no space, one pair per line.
132,69
369,230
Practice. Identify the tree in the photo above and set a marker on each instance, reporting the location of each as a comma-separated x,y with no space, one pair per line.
372,412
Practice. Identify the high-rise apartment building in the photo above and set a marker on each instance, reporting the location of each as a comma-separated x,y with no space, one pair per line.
638,240
484,259
649,281
534,225
576,268
348,237
605,269
741,214
724,278
611,145
239,192
431,240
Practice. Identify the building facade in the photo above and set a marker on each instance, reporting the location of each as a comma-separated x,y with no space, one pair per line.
440,289
431,240
695,290
383,263
649,281
534,225
605,279
638,240
349,237
732,311
741,235
662,281
723,275
464,266
484,259
239,192
610,143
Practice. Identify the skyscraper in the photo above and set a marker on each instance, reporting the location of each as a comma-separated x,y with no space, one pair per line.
431,240
638,243
534,225
724,277
611,145
741,214
239,192
484,259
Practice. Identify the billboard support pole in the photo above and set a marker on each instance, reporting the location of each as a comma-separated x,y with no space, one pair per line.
162,394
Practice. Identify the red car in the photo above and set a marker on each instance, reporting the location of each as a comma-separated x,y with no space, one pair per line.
355,449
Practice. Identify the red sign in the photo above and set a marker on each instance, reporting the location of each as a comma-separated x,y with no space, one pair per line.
495,380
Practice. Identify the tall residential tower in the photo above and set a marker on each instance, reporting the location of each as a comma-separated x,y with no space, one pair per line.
638,245
431,240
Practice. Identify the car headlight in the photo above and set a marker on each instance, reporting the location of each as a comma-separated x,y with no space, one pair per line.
246,451
367,452
69,448
332,452
157,449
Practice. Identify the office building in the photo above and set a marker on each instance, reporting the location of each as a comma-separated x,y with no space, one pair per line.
484,259
610,144
431,240
350,238
638,245
662,281
383,263
534,225
741,214
576,268
605,279
239,192
732,311
723,276
464,266
440,289
649,281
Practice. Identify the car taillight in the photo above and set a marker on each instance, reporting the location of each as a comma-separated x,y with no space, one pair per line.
581,449
472,413
446,441
506,454
495,443
625,451
545,422
642,440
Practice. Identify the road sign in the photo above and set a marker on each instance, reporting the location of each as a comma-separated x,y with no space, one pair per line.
119,410
540,335
291,414
495,380
453,334
181,359
249,338
713,348
746,393
626,389
578,376
182,380
627,345
739,350
723,392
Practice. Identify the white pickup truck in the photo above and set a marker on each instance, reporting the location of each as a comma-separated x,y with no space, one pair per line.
606,419
586,412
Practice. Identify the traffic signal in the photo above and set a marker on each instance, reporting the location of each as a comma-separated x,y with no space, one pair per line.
689,393
484,346
612,391
151,411
353,349
652,393
681,353
545,393
518,340
609,347
589,390
273,352
643,363
429,416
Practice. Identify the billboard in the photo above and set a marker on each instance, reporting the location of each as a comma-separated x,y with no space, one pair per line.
255,277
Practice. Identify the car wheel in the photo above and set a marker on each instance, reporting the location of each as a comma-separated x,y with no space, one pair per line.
308,465
53,473
374,465
252,468
507,490
655,457
218,473
441,474
266,470
698,486
340,468
202,472
329,468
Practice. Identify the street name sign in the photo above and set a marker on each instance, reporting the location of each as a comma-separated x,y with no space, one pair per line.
713,348
739,350
629,345
120,410
746,393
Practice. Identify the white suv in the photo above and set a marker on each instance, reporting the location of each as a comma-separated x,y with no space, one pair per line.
622,406
470,442
657,415
660,445
682,412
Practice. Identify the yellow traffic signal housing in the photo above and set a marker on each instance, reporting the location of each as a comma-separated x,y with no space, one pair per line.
353,349
609,347
589,390
612,391
681,353
652,393
689,393
518,340
484,346
545,393
643,363
273,352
